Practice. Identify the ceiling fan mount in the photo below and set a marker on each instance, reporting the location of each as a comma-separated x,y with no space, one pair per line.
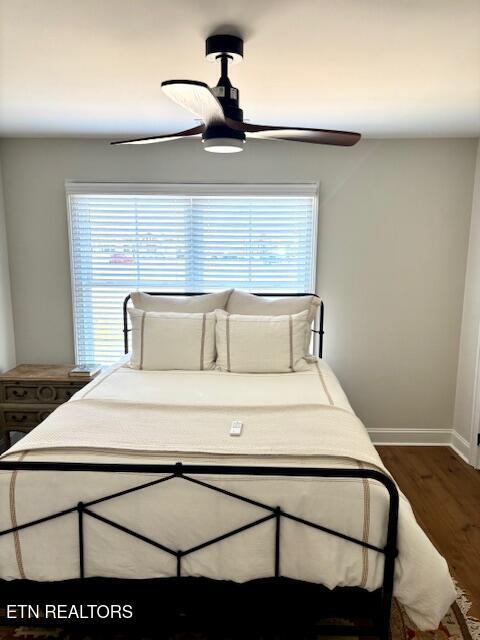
223,129
223,44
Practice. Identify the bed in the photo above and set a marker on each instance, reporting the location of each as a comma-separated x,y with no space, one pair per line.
136,480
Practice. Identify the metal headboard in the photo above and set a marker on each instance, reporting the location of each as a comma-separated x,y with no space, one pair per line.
317,325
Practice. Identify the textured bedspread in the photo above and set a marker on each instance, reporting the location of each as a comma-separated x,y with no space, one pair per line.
301,419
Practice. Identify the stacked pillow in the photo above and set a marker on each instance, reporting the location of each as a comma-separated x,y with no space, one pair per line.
189,304
231,330
261,344
166,340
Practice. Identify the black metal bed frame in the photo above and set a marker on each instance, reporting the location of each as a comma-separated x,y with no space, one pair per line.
316,330
185,590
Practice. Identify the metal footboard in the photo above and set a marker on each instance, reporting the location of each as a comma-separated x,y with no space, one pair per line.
192,474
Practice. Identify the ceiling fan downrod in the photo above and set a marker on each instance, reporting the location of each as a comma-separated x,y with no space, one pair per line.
226,49
219,137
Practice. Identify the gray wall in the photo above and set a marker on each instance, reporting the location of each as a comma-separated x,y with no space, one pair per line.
393,236
7,340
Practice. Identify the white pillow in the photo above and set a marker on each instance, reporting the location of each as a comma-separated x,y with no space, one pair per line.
165,341
241,302
261,344
188,304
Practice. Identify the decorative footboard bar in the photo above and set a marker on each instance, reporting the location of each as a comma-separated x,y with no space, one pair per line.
190,473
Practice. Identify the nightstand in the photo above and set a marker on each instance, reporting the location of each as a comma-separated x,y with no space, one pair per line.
30,392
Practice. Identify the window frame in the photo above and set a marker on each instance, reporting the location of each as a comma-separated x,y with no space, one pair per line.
301,189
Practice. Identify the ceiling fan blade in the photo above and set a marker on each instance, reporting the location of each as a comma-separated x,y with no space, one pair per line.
172,136
314,136
197,98
296,134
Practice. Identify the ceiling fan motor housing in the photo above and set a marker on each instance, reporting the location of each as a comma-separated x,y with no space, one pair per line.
222,131
228,97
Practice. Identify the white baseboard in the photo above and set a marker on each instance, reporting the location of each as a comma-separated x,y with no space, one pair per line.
411,436
461,446
422,437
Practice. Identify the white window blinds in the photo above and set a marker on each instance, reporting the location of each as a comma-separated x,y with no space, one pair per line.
181,238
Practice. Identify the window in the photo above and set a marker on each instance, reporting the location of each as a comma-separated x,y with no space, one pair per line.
181,238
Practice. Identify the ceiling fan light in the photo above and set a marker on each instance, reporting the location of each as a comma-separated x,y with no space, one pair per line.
223,145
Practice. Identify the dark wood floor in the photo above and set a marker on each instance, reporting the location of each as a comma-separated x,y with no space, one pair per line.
445,494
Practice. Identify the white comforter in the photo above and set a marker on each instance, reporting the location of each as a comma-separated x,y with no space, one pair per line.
298,419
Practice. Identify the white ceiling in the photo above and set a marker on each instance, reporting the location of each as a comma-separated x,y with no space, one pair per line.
380,67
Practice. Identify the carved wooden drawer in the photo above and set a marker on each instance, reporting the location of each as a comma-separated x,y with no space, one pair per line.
39,392
24,418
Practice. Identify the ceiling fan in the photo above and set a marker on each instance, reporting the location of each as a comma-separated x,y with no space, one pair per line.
223,129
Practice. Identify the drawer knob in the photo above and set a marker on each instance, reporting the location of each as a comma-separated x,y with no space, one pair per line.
19,393
19,418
